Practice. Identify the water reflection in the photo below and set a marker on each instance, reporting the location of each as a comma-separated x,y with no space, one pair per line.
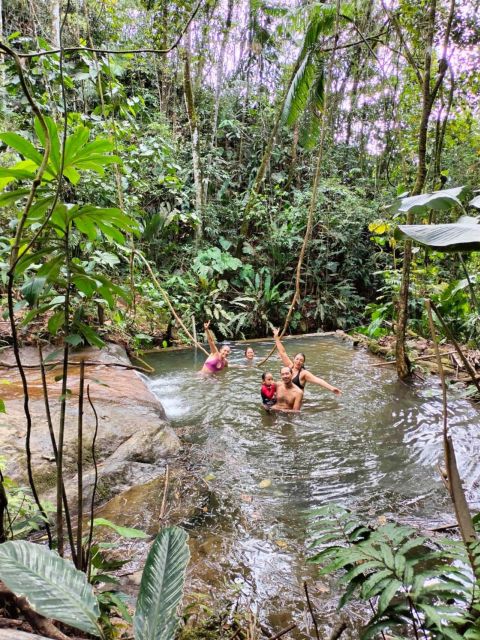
374,449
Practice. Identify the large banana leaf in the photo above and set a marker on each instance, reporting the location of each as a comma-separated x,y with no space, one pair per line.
463,235
52,585
161,588
439,200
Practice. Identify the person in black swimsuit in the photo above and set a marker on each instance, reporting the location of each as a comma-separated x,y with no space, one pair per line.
300,376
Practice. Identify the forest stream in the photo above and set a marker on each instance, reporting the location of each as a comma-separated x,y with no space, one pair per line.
374,449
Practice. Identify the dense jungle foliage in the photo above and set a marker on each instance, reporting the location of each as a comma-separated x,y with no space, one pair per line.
257,164
210,151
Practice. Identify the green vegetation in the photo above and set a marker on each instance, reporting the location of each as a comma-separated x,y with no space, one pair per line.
167,163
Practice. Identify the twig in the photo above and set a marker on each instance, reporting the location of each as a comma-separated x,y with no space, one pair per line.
33,54
450,336
337,632
283,632
94,490
165,491
79,562
428,357
310,608
169,304
55,452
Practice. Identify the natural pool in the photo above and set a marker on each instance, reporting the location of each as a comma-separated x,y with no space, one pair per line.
375,449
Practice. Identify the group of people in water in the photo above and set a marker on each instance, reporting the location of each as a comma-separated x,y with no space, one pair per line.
284,395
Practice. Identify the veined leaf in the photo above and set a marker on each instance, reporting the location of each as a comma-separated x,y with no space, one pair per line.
459,236
23,146
126,532
32,289
52,585
161,588
439,200
9,197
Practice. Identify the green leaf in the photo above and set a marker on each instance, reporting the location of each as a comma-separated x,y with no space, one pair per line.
23,146
162,585
2,406
9,197
125,532
32,289
90,335
438,200
52,585
387,594
55,322
298,93
74,339
463,235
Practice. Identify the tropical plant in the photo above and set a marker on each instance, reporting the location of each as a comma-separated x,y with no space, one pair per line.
57,590
414,585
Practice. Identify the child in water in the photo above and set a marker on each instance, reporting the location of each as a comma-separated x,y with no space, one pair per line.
268,390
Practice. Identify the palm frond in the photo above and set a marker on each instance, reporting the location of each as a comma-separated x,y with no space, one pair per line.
298,93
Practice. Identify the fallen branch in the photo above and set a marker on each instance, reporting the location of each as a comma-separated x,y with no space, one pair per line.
428,357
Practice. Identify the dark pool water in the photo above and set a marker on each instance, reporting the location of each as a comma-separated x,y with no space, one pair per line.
375,449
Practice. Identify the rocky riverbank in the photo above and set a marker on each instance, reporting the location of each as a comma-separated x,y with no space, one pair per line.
134,441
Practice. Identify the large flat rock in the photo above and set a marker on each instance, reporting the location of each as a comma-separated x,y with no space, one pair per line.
134,440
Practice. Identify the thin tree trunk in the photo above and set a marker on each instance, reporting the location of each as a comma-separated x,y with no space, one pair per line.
55,18
220,65
195,137
428,97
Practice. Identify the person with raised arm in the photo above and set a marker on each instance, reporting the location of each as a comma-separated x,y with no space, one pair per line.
218,358
300,375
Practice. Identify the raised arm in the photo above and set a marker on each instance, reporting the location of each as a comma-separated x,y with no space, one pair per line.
211,341
281,350
309,377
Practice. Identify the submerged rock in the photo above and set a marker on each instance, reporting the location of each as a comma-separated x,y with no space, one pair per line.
133,441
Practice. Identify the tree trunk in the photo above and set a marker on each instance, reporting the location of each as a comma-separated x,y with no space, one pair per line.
428,97
220,65
194,132
55,17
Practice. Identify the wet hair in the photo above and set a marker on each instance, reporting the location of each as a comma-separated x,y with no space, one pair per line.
222,346
245,352
265,374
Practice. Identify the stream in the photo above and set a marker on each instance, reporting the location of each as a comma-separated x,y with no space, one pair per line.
374,449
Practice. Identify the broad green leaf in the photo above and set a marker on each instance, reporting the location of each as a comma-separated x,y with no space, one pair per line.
23,146
32,289
439,200
74,339
475,202
52,585
85,284
125,532
55,322
24,170
459,236
75,143
161,589
90,335
9,197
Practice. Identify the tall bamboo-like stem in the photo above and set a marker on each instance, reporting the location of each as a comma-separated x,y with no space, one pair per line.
55,450
86,560
457,494
79,563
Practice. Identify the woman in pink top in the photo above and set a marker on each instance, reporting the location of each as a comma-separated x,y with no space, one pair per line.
217,359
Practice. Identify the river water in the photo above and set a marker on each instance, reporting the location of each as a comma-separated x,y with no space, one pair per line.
374,449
